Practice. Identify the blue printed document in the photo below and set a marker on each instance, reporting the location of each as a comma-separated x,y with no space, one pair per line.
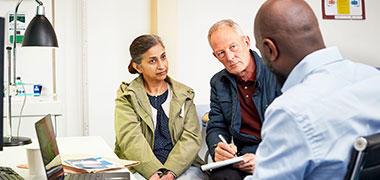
98,164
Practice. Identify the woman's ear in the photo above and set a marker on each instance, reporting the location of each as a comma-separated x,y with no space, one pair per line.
137,67
270,49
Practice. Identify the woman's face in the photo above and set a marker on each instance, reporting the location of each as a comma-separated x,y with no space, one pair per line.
154,65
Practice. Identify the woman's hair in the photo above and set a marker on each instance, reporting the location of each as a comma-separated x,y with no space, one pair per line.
139,46
224,23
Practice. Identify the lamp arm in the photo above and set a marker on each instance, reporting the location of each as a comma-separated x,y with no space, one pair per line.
14,40
10,82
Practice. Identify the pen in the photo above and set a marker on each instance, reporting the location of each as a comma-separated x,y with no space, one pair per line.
224,141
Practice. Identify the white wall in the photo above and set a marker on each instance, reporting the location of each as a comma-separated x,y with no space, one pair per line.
358,40
196,64
70,65
111,28
167,29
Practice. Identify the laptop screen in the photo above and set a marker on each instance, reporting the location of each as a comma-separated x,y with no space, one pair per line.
49,148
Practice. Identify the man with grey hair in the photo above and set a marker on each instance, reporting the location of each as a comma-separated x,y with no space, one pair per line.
240,94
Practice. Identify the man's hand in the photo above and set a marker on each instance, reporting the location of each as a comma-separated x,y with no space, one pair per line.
248,165
168,176
225,151
154,176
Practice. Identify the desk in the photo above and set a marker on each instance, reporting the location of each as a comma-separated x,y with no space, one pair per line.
92,145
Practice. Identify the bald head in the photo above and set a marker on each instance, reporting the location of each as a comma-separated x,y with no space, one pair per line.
291,25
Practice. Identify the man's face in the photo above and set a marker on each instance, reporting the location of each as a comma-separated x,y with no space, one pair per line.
231,49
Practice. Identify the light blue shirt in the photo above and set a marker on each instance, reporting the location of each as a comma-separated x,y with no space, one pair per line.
309,130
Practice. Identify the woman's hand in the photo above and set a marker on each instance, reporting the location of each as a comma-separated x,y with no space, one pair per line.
168,176
154,176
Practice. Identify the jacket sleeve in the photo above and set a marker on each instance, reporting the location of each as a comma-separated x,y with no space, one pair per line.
130,140
187,147
216,124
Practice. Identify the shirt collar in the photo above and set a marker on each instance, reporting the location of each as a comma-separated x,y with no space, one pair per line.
309,63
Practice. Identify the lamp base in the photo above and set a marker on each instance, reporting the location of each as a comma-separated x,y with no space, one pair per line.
16,141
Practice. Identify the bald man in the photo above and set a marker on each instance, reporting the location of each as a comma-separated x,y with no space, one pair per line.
327,101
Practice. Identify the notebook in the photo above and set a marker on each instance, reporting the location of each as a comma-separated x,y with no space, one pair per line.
219,164
52,160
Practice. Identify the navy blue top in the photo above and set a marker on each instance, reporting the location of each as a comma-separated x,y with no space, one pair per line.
225,108
162,141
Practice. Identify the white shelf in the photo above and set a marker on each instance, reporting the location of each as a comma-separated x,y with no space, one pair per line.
34,106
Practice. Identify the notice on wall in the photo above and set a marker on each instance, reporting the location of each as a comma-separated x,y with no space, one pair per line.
343,9
21,27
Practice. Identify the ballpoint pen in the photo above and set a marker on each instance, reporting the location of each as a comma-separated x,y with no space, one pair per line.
224,141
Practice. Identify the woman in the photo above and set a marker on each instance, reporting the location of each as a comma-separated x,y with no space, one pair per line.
155,118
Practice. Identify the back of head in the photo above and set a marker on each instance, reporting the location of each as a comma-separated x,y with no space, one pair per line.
292,25
139,46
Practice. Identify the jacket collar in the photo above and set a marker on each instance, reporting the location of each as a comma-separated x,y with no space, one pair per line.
259,71
179,91
136,87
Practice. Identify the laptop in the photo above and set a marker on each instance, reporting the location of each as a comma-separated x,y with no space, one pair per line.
52,160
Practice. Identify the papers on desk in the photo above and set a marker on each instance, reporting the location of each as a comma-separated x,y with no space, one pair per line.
54,165
219,164
79,163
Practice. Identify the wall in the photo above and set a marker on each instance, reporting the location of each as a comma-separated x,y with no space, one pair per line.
111,28
196,64
167,29
358,40
70,65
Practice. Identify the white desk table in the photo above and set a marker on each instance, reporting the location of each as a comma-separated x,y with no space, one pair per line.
91,145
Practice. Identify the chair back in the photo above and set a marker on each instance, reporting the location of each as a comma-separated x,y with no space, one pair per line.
365,159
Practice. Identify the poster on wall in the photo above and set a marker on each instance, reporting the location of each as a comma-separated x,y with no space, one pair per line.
21,27
343,9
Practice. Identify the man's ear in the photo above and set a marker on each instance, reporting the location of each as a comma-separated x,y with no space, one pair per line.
247,41
137,67
270,49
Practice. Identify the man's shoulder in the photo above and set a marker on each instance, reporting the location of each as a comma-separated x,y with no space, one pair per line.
220,75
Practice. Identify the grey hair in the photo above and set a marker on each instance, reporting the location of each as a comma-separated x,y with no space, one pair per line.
224,23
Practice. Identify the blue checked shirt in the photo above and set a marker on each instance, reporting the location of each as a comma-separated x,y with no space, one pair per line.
309,130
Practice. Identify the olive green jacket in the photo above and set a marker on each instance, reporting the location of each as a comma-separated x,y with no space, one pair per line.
135,130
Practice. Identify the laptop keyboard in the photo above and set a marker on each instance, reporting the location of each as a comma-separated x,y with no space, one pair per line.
80,176
99,176
8,173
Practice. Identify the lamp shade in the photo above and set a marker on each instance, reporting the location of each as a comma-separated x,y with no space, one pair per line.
40,33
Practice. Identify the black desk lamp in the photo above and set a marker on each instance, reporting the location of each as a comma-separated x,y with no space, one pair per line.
38,33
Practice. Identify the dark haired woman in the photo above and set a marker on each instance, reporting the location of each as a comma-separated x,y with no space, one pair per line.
155,118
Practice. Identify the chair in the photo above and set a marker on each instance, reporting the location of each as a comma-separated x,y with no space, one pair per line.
205,121
202,112
365,159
